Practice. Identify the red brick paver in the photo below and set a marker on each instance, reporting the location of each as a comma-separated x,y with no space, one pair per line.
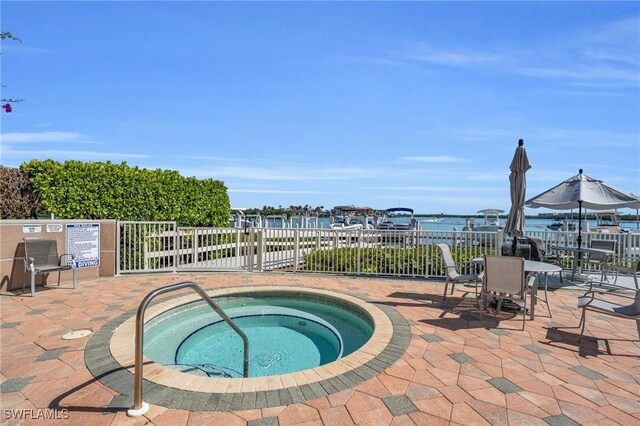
445,373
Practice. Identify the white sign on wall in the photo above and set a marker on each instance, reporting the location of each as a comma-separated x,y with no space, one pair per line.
31,229
83,240
54,227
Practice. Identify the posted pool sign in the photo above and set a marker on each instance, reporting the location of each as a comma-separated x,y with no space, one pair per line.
83,240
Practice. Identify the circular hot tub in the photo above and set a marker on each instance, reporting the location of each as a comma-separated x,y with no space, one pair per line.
304,343
287,332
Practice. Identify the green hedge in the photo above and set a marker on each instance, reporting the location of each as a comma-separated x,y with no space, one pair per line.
81,190
388,260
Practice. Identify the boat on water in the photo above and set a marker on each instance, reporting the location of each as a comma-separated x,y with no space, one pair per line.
563,225
392,223
352,218
432,220
607,222
491,221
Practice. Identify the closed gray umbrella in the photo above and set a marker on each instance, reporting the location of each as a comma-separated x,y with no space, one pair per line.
519,166
582,191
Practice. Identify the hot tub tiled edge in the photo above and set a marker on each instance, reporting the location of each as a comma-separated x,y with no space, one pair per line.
104,367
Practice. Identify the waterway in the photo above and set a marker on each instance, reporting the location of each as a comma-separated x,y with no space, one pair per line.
449,223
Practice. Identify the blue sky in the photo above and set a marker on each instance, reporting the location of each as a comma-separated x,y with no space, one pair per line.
382,104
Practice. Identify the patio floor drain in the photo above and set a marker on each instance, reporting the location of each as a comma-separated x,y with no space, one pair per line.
78,334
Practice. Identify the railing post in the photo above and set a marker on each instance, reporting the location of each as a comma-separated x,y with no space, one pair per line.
145,249
499,239
454,237
358,251
425,236
238,236
260,248
118,247
176,241
195,247
296,249
250,249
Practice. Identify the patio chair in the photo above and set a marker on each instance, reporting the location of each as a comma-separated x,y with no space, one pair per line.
601,306
632,271
452,274
600,259
41,257
504,277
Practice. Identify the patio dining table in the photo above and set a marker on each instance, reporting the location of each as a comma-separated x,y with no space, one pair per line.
578,252
533,267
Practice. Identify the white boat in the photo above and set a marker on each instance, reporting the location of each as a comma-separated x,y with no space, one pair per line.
346,224
607,222
432,220
563,225
491,221
391,221
352,218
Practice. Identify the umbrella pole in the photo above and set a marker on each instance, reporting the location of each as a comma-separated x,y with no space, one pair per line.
578,256
579,224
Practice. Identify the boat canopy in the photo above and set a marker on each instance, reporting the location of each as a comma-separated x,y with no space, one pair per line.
399,209
352,210
487,212
351,207
606,218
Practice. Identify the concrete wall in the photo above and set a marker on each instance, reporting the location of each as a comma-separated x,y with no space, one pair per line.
12,272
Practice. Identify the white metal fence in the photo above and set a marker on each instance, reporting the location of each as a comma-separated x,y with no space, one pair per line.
163,246
136,239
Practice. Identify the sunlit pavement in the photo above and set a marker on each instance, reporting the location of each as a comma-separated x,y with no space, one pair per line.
457,369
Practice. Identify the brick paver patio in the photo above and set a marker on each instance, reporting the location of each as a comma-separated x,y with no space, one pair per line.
457,369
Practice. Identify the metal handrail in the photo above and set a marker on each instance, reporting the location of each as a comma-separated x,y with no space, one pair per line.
138,405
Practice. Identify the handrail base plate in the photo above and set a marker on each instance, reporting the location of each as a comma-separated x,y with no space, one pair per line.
133,412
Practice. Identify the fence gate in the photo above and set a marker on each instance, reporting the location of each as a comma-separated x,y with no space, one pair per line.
163,246
214,249
137,239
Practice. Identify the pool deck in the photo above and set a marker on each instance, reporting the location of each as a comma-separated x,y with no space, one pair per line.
457,369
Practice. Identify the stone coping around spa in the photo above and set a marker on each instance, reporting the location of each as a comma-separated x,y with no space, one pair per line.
173,389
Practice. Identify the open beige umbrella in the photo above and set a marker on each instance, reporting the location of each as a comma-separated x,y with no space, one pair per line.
582,191
519,166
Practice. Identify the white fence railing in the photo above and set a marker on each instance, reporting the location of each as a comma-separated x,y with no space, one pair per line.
136,239
162,246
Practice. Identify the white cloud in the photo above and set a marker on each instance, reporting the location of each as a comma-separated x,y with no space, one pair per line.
453,201
587,93
536,136
439,188
39,137
227,159
277,191
295,173
51,140
580,73
422,52
21,49
435,159
606,56
65,155
486,176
